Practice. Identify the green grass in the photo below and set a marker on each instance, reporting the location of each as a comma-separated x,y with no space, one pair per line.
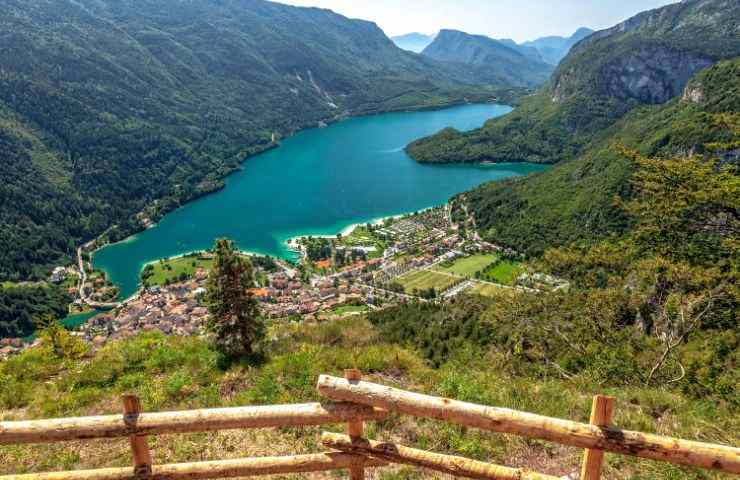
504,272
174,373
347,309
484,289
361,236
468,266
174,268
426,279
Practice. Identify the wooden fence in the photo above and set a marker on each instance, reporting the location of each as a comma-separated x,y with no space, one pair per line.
357,401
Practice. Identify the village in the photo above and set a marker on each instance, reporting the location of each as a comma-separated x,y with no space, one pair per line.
422,257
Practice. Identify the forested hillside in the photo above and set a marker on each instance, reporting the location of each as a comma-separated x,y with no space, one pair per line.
110,108
575,200
646,60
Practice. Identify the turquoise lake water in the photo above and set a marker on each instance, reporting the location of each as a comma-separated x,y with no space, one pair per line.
316,183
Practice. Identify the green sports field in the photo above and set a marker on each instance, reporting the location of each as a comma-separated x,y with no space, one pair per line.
426,279
484,289
468,266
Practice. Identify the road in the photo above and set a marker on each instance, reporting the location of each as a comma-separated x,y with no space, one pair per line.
83,280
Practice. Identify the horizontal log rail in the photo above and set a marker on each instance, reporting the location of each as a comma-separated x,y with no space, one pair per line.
565,432
111,426
243,467
452,465
357,401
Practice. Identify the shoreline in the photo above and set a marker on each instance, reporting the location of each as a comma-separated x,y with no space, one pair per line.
292,253
292,242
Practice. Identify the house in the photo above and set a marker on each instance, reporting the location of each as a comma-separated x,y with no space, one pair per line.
323,264
326,293
58,275
261,293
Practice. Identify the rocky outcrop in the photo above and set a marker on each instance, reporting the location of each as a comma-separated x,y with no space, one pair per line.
653,75
650,58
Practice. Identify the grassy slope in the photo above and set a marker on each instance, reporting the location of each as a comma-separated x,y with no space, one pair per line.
575,200
178,373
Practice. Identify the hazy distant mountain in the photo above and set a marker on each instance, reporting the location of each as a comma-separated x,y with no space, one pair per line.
491,56
527,51
553,49
413,42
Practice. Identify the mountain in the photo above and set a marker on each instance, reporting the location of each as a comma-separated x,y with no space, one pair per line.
489,55
527,51
646,60
413,42
553,49
575,200
114,112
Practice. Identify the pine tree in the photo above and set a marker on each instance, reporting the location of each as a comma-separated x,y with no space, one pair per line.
234,319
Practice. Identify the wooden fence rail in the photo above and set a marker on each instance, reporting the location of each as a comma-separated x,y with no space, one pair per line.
457,466
565,432
111,426
242,467
359,401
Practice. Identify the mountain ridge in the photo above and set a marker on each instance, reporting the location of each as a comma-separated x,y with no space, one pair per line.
414,41
605,76
120,109
458,47
553,49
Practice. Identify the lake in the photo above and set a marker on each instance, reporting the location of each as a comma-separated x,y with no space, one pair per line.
317,182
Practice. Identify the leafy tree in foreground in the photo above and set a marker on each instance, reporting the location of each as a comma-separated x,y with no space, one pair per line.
234,321
60,342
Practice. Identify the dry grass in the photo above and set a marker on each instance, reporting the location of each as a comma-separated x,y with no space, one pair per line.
299,353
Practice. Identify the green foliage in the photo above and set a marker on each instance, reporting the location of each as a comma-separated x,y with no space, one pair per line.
318,248
20,304
234,317
687,207
155,104
601,80
58,339
575,200
437,330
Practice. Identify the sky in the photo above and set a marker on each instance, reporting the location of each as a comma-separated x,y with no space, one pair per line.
520,20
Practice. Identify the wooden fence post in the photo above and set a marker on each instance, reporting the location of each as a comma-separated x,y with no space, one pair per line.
602,409
355,428
139,446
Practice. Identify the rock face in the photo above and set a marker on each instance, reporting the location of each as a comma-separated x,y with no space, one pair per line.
650,75
651,57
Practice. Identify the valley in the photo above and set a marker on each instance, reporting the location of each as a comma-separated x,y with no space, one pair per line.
261,198
317,182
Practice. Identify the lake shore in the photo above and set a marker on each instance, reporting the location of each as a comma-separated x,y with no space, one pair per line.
294,246
321,181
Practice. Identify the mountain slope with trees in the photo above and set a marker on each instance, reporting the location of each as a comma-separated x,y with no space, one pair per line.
111,108
575,200
647,59
500,61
